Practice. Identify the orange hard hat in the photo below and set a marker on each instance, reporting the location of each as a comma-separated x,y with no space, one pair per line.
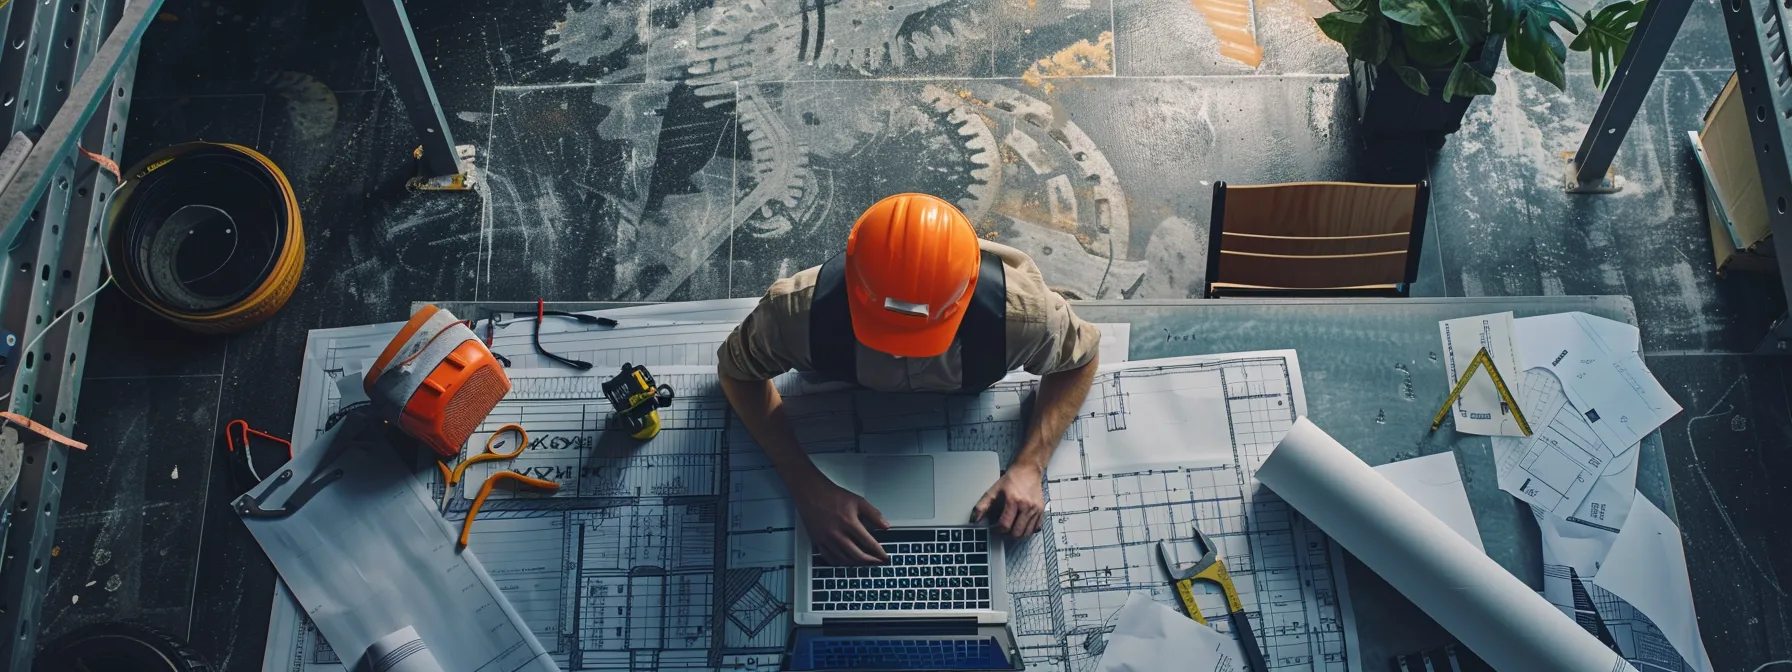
911,264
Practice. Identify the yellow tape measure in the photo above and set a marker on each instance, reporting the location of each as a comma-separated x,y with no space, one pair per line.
1482,359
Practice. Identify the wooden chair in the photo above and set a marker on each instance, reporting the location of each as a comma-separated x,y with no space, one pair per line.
1316,239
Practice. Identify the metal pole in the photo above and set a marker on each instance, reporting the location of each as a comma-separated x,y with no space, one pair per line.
411,76
58,141
1624,94
1757,31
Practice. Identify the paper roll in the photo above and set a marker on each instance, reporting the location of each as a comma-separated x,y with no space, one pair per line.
1484,606
401,651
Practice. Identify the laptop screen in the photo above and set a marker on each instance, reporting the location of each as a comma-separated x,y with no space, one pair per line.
813,650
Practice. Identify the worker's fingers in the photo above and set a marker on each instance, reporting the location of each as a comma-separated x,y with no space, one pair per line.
861,539
830,551
826,553
1034,523
869,512
982,507
1022,519
853,553
1010,515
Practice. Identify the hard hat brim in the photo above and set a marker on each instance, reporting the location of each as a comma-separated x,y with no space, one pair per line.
893,333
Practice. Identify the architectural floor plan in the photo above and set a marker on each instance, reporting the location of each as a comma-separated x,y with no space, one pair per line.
676,554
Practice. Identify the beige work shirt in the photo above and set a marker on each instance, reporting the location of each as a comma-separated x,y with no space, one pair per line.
1044,336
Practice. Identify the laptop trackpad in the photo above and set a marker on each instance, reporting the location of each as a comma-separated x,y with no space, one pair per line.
901,486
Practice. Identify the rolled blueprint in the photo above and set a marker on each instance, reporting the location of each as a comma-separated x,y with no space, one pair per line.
401,651
1493,613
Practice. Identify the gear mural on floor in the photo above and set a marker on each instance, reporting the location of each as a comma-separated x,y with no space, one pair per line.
813,110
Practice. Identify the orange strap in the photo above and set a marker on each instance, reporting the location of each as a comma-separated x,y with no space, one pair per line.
105,162
466,527
247,431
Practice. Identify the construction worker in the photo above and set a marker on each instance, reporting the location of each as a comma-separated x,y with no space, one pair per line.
916,303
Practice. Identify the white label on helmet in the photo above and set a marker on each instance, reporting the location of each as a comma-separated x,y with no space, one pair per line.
906,308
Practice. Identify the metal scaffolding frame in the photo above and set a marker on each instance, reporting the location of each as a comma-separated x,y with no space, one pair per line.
1757,31
66,72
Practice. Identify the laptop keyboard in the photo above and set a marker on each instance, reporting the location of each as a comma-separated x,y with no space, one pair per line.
907,654
929,569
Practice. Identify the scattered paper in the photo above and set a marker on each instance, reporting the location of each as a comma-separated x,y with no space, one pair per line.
1583,544
1647,571
1541,339
1150,637
1596,361
1435,483
402,651
1480,409
1559,463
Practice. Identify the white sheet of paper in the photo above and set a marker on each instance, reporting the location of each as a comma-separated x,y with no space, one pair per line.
402,651
1149,637
1621,399
1479,409
1561,461
1601,373
1647,568
1542,338
1435,483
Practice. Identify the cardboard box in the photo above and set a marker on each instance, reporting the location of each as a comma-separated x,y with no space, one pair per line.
1741,239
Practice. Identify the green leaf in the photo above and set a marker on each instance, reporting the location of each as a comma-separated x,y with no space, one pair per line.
1465,82
1414,79
1430,54
1532,45
1504,15
1372,41
1472,15
1411,12
1606,35
1550,65
1348,5
1443,7
1434,35
1342,27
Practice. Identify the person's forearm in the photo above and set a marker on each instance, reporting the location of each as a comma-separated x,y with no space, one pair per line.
1059,397
761,409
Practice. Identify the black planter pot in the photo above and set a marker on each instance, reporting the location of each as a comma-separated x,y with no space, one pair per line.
1386,105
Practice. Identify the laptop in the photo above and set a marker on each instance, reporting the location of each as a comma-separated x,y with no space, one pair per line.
941,603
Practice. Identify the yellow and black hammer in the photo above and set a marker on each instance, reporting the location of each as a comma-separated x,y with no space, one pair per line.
1212,569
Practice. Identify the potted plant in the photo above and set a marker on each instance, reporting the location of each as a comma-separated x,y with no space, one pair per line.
1442,53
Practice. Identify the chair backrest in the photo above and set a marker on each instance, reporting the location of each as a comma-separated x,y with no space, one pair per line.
1316,238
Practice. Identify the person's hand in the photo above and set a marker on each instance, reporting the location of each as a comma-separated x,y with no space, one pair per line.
836,519
1020,497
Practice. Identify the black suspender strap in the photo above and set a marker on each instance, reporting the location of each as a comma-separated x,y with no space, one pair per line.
983,335
833,351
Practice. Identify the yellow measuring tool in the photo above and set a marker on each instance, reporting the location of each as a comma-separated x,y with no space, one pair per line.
1482,359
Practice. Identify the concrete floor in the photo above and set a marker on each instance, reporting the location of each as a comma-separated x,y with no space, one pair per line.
634,153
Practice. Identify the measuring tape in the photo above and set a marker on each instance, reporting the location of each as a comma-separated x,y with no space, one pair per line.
207,235
1482,359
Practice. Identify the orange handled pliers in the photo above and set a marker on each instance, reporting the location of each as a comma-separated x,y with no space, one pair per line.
493,446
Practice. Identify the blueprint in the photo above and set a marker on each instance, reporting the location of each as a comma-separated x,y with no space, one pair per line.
675,554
